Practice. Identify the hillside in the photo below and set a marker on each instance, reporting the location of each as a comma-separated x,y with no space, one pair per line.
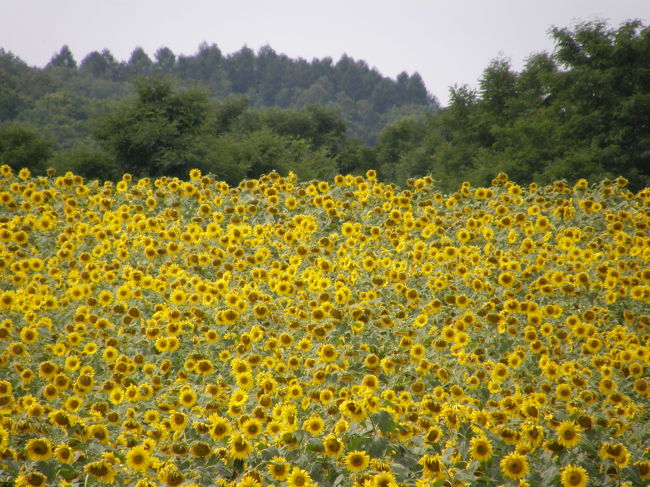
366,100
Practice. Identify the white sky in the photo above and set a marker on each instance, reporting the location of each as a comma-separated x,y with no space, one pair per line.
447,41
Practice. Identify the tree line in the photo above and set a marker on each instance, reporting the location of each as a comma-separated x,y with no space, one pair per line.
367,100
581,111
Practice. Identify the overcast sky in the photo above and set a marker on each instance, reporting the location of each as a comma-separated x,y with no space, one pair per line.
447,41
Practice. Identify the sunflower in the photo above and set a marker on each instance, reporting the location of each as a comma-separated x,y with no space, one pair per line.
563,392
245,381
39,449
29,335
568,434
314,425
63,453
47,369
641,387
187,397
353,410
151,416
356,461
480,448
333,446
60,419
239,367
384,479
416,352
506,279
200,449
239,397
370,382
432,467
372,404
434,433
328,353
240,448
574,476
116,396
618,452
500,372
101,469
644,468
170,475
533,435
251,479
73,403
179,449
32,479
514,466
299,478
251,428
178,420
178,297
294,391
27,376
278,468
98,432
138,458
273,428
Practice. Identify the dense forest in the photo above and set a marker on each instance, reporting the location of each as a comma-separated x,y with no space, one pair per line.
365,99
581,111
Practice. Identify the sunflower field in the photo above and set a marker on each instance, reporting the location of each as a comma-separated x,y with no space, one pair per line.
333,333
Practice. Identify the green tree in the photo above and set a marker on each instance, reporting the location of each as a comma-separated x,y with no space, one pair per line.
241,70
159,132
14,92
102,65
87,161
63,115
580,113
271,74
603,95
321,127
228,113
165,61
355,157
23,146
203,65
139,63
63,59
11,103
498,89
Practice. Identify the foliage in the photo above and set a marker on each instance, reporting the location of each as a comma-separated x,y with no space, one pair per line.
23,146
268,79
158,133
63,59
166,131
87,160
581,112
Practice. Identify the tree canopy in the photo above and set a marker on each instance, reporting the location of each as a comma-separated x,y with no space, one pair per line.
581,112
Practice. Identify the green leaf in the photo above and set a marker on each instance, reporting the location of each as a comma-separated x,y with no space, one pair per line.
406,458
355,441
550,475
384,421
376,447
